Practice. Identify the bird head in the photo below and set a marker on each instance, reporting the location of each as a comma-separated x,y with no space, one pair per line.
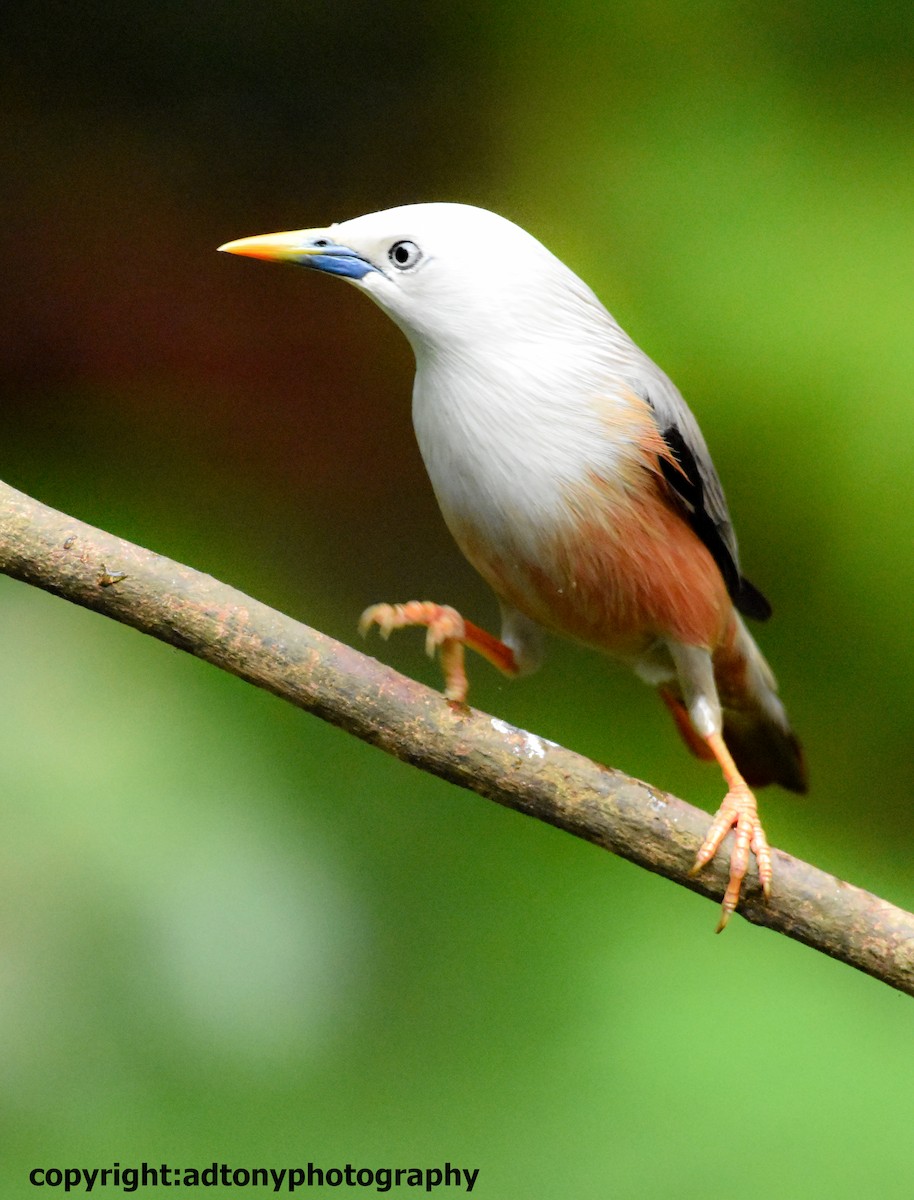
445,273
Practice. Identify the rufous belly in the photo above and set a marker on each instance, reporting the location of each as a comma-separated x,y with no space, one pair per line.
617,575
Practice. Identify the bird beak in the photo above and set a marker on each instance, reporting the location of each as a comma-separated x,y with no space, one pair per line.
314,248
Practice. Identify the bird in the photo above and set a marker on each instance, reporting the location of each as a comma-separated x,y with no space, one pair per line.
574,477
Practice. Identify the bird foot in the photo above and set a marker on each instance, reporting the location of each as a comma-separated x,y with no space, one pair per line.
445,630
739,812
448,632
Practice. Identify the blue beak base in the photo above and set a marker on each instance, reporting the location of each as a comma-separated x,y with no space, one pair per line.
335,260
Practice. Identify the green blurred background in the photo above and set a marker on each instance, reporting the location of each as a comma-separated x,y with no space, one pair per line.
228,931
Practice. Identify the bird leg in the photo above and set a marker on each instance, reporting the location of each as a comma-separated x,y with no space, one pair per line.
739,812
447,630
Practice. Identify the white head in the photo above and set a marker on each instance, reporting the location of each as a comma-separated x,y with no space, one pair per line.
522,375
445,273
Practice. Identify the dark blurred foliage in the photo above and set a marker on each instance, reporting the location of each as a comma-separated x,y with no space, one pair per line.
228,931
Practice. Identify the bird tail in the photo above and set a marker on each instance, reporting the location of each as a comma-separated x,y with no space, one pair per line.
756,728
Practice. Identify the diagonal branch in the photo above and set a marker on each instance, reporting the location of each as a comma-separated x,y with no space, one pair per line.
197,613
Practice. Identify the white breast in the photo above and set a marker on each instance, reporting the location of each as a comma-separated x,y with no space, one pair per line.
496,450
504,441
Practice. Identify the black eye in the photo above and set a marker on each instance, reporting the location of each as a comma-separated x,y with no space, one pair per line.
404,255
321,242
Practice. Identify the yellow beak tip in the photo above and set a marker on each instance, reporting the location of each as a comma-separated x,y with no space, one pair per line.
252,247
273,247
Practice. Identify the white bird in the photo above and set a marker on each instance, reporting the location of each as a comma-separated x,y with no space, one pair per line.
575,479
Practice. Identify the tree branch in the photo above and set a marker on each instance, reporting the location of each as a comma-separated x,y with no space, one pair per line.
197,613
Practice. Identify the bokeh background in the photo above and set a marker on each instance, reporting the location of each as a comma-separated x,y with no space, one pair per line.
229,932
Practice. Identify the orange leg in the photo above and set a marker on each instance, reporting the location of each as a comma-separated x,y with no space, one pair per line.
740,813
446,629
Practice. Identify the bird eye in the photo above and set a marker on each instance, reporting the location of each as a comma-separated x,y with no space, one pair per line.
404,255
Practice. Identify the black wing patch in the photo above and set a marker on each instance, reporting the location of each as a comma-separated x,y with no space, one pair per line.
688,485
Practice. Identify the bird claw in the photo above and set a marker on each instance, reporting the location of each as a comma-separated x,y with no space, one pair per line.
441,621
739,812
445,631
